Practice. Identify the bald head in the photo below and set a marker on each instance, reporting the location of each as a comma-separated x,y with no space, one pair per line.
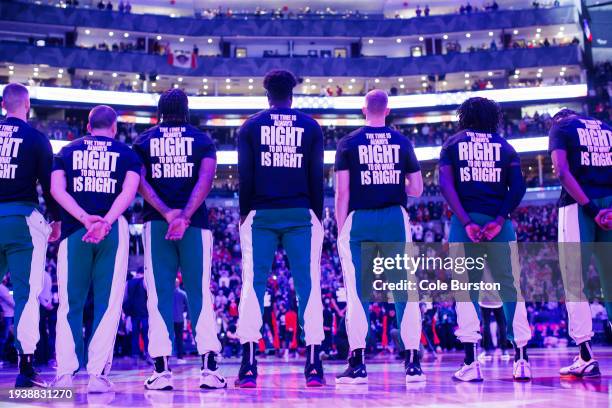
15,98
376,102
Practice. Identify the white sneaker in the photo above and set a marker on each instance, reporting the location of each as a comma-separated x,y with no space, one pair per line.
181,361
521,370
99,384
469,372
484,357
62,381
505,356
159,381
212,379
581,368
210,375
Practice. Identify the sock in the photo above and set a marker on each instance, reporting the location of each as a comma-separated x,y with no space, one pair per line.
470,353
248,353
520,353
209,361
161,364
357,357
26,366
312,354
585,350
412,357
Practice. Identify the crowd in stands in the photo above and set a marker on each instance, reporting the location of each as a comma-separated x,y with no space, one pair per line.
225,138
429,223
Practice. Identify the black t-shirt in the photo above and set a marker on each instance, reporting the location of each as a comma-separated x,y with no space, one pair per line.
587,142
25,159
95,167
481,164
280,162
172,154
378,159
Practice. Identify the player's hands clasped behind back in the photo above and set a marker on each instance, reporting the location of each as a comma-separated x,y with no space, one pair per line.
177,228
604,219
97,228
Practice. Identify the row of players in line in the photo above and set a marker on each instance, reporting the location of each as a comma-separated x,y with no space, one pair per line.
278,204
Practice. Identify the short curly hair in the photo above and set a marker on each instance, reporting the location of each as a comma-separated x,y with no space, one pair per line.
173,106
480,115
279,84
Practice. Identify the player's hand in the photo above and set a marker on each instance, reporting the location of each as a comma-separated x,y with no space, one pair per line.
88,220
473,231
56,231
490,230
177,228
171,215
97,232
604,219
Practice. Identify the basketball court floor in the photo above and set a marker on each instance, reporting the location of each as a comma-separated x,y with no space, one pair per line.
281,384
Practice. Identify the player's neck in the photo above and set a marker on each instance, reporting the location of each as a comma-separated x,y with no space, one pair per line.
375,122
99,132
280,104
18,115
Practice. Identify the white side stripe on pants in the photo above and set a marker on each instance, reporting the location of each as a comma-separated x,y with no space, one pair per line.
159,337
27,327
206,326
313,312
579,313
356,319
411,325
102,344
249,313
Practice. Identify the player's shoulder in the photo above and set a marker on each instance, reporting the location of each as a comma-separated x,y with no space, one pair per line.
147,135
350,138
454,139
304,117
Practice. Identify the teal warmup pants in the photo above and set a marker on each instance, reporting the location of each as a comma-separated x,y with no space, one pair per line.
506,272
163,259
23,248
301,235
102,266
575,227
381,225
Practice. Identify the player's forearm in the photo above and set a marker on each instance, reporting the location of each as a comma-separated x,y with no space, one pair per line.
447,188
202,187
570,185
516,191
414,184
68,203
151,197
124,199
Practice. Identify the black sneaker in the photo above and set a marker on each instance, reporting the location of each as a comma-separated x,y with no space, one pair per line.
28,377
247,376
355,372
314,369
412,365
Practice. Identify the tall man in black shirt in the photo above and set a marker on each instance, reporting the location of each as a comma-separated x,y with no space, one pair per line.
280,164
25,159
95,179
481,179
581,151
376,171
179,163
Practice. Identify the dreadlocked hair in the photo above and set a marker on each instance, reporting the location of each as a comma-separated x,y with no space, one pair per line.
480,115
279,84
173,106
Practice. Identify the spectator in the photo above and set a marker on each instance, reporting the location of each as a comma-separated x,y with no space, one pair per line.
180,308
135,307
7,305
